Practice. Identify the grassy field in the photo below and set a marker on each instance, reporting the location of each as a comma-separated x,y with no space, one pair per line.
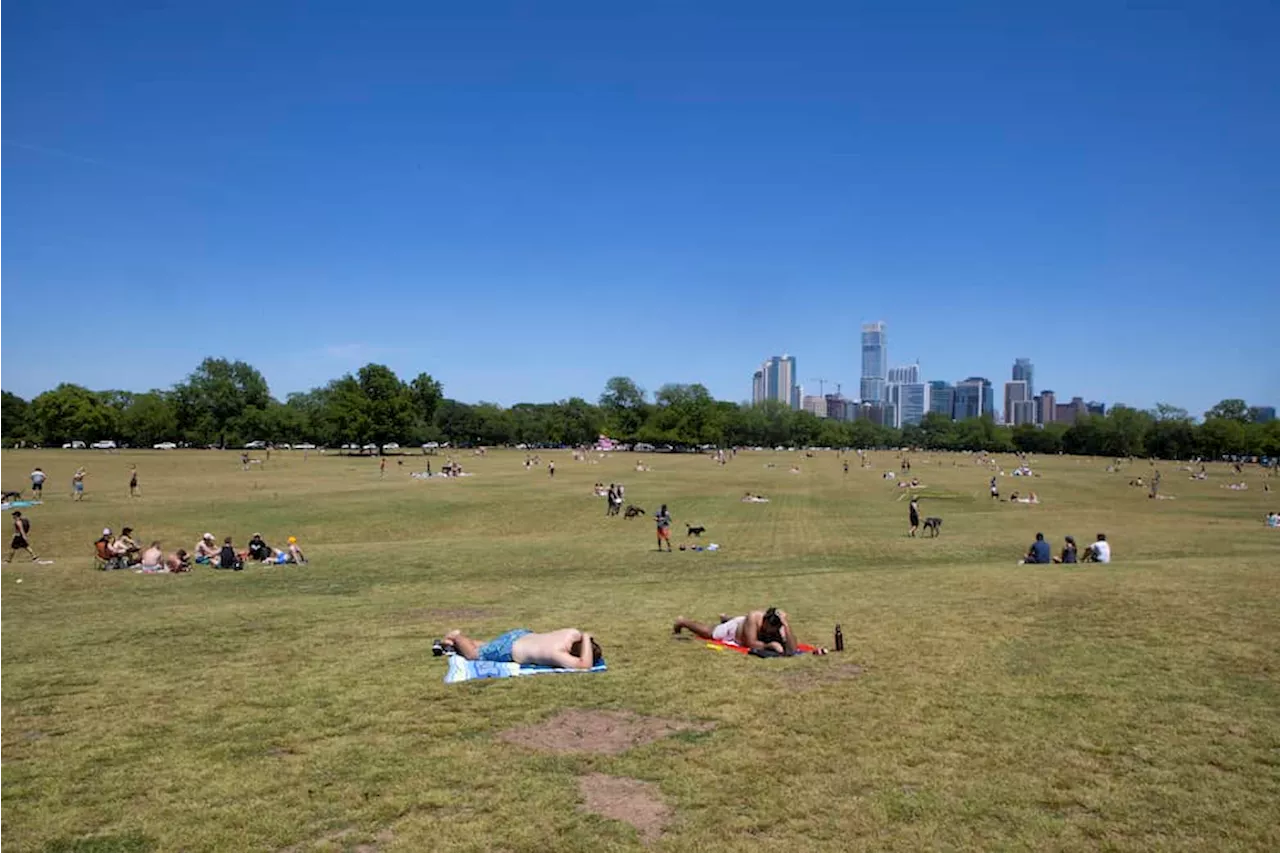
1133,706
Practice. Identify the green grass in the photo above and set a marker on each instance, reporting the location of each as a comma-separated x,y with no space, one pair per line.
1133,706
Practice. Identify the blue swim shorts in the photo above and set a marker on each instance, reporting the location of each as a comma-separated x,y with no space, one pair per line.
499,649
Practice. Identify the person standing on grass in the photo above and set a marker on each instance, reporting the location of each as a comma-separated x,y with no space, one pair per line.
77,484
914,511
38,477
551,468
846,467
382,468
133,481
995,489
21,540
663,520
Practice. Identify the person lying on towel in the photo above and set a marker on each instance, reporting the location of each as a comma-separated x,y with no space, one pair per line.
759,630
567,648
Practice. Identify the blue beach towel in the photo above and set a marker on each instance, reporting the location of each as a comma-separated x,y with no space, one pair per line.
461,669
18,504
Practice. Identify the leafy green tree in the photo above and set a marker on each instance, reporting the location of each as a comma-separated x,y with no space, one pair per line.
624,408
1233,409
15,419
215,395
73,413
427,394
389,404
149,419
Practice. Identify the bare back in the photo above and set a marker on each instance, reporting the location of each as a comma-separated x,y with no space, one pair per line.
549,649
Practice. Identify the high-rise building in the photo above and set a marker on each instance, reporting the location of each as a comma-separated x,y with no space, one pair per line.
875,362
904,375
907,394
1024,371
776,380
974,398
1046,407
942,398
814,405
840,409
1096,408
1018,406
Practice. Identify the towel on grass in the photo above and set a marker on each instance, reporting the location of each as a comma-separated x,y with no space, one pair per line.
461,669
18,504
801,648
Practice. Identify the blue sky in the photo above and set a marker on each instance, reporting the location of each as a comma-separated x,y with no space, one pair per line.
526,199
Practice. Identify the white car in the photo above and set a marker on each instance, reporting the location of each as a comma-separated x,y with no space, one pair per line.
372,447
390,445
304,446
166,445
103,445
431,445
255,445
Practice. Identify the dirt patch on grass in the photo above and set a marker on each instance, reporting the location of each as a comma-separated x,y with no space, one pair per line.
599,732
628,800
820,675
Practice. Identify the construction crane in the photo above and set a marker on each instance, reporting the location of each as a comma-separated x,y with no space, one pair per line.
822,386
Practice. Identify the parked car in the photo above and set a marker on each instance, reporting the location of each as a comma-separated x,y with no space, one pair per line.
103,445
643,447
370,447
306,445
166,445
255,445
390,445
431,445
73,445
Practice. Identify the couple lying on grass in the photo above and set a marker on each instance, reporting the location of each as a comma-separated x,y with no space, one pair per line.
759,631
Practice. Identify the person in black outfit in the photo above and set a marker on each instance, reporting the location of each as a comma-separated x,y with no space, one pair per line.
915,515
259,549
227,557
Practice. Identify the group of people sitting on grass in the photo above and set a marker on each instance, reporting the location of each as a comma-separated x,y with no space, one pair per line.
765,632
125,552
226,556
1040,552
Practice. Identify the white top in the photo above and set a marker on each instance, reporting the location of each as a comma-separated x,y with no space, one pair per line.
1102,551
38,476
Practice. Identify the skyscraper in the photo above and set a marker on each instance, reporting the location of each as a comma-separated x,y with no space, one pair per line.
974,398
908,395
776,380
1018,406
874,362
1023,371
1046,407
942,398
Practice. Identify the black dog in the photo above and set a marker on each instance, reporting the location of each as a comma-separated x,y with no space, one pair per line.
934,524
633,511
13,495
695,531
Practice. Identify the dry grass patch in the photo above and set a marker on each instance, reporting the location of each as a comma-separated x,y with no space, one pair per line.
820,675
628,800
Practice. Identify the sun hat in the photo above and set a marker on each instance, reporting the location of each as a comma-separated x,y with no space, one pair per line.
207,536
106,531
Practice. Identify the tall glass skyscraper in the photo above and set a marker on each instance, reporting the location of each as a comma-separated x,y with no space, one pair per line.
875,362
942,398
776,380
974,398
1024,371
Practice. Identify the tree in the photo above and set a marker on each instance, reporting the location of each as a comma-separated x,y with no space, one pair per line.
1167,412
426,393
72,413
388,403
1233,409
149,419
623,406
15,419
215,395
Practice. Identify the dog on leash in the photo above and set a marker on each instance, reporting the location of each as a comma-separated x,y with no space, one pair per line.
695,531
632,511
933,525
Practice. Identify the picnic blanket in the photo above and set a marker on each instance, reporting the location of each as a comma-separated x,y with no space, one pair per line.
18,504
461,669
801,648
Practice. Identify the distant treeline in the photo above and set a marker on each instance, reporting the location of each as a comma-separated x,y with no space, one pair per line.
227,404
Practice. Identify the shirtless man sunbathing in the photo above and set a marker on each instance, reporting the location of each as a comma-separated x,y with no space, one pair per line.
760,629
568,648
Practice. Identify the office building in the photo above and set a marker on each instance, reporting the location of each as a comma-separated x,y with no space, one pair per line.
776,380
814,405
1018,406
942,398
1067,413
880,414
875,362
974,398
1023,371
1096,408
840,409
1262,414
907,394
1046,407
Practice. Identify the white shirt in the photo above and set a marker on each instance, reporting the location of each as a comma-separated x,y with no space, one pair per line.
1102,551
38,477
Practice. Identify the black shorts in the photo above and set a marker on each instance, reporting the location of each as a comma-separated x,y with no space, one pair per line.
37,487
19,542
915,520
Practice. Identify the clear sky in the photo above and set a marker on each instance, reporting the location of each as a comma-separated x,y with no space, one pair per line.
526,199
